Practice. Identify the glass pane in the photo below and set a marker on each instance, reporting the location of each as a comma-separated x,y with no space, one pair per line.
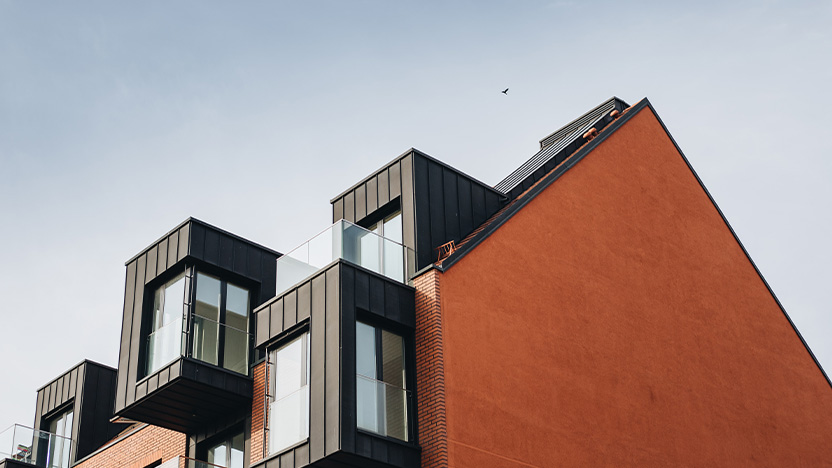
395,410
365,350
367,404
392,359
238,447
236,350
207,297
174,300
369,251
236,307
290,420
290,370
205,336
218,455
393,227
393,260
164,345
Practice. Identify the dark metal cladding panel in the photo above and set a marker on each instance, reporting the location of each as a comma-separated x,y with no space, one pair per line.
376,295
383,188
379,450
360,202
175,369
240,257
198,240
173,247
164,376
141,390
349,207
361,291
407,194
45,401
290,309
349,287
372,194
363,445
302,455
422,213
212,247
407,306
252,267
492,204
261,327
288,459
150,270
268,277
394,174
333,362
437,207
135,334
466,223
152,383
162,256
304,302
276,319
226,252
59,392
126,329
317,429
451,206
391,302
184,240
54,401
337,209
478,205
73,383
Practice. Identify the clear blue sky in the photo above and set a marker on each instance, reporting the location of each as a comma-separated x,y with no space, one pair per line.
268,109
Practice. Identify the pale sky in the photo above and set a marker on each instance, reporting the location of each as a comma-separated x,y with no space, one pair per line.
118,121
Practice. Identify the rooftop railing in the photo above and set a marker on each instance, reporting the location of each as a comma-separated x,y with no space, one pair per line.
37,448
347,241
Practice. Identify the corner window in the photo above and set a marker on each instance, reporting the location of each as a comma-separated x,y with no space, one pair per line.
289,394
381,393
164,344
220,327
386,254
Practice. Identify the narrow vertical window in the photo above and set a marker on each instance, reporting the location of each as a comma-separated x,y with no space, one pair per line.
60,445
381,393
229,453
164,343
220,323
289,394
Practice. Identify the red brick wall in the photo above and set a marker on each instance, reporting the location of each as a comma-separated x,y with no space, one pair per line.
257,414
139,449
430,373
615,321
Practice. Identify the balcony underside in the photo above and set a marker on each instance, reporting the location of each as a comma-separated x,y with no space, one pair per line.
188,394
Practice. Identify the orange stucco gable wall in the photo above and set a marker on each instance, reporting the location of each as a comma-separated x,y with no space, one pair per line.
615,321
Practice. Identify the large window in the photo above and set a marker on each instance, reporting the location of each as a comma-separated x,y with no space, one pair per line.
289,394
61,446
381,382
229,452
164,343
220,327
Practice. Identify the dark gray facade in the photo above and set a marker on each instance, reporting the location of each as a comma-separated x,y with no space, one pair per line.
187,392
439,203
327,305
87,389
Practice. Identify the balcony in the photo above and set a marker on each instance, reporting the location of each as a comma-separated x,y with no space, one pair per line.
24,446
196,371
347,241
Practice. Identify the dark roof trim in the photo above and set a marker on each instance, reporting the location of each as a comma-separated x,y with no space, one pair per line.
557,172
546,181
424,155
85,361
210,226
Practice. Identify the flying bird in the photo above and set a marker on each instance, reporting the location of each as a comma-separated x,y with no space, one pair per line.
505,91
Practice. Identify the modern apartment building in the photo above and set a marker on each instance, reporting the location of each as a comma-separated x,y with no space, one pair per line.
593,308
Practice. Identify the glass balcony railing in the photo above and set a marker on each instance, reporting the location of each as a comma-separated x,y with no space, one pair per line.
37,448
212,342
347,241
185,462
382,408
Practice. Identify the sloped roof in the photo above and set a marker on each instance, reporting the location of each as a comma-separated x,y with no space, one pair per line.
556,147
